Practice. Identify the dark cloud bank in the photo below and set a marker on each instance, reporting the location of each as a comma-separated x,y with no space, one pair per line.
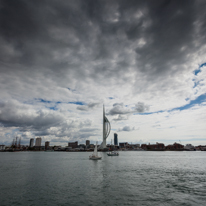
68,36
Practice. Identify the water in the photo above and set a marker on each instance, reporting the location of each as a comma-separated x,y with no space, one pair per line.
133,178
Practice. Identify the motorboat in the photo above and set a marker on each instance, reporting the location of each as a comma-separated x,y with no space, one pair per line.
95,156
113,153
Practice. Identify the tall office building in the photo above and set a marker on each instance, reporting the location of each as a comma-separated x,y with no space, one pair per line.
115,139
87,142
31,144
38,142
46,145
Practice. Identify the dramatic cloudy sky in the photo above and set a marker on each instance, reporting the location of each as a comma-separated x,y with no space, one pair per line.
60,61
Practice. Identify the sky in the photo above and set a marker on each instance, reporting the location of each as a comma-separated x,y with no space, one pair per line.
60,61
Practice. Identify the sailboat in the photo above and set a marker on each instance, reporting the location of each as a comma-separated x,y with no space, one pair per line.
95,156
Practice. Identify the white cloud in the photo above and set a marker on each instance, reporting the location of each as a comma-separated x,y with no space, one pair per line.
145,64
126,129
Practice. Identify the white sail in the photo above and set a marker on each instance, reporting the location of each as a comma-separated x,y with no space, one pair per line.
95,150
95,156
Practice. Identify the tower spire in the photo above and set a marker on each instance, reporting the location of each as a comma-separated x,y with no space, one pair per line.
106,130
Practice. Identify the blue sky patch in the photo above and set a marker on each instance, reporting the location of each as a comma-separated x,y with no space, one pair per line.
198,100
202,65
195,84
77,103
199,69
148,113
53,108
192,103
44,101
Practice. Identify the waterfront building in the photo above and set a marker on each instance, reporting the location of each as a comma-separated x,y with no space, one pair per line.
87,142
68,148
132,146
46,145
144,146
175,146
201,147
2,147
38,142
155,147
81,146
123,144
31,144
73,145
106,131
189,147
115,139
91,146
57,148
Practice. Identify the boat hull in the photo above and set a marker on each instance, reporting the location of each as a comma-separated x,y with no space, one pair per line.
95,158
113,154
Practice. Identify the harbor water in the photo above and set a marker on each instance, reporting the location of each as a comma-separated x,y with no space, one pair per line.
132,178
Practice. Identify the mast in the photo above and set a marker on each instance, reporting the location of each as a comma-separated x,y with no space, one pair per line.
19,144
16,142
104,140
95,150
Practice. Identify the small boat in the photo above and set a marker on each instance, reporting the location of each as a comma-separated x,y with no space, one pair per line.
113,153
95,156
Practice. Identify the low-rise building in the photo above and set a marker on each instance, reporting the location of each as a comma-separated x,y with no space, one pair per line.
144,146
153,147
123,144
201,147
73,144
57,147
175,146
2,147
82,146
189,147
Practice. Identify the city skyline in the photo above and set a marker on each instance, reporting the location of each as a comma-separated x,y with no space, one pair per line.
144,60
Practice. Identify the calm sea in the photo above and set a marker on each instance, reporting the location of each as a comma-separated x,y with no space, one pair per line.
133,178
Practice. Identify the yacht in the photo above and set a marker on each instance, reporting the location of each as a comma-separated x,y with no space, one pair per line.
95,156
113,153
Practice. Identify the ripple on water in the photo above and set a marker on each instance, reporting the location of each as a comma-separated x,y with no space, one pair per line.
133,178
